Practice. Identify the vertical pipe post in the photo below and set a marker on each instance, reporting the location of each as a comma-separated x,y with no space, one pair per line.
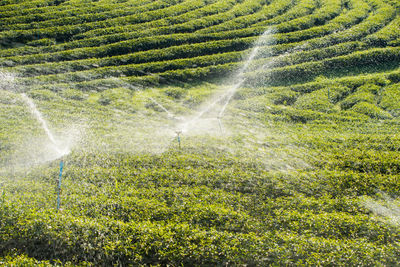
178,137
219,123
59,184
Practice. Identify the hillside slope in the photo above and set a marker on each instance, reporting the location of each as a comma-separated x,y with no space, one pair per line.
200,132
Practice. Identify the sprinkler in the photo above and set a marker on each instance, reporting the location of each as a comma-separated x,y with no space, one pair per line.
219,123
59,184
178,137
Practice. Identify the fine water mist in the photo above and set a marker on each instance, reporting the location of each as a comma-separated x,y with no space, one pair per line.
239,79
40,119
162,107
385,207
8,81
144,133
55,149
225,98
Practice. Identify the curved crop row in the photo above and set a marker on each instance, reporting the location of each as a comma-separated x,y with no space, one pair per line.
140,63
289,73
94,52
267,12
28,4
369,57
77,15
126,60
132,34
201,61
386,35
10,2
328,10
303,8
154,10
61,46
165,22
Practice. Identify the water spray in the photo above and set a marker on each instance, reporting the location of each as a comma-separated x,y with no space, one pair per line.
60,151
230,94
59,184
39,117
162,107
232,90
204,111
240,80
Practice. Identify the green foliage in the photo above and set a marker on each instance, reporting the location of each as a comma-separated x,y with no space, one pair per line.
283,96
73,94
389,100
337,92
42,42
358,97
294,177
175,92
370,110
43,95
317,100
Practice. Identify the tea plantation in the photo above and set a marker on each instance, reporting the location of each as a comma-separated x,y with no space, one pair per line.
200,132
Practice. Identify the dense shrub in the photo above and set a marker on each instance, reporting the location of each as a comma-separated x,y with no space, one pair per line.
371,110
73,94
389,99
317,100
353,99
43,95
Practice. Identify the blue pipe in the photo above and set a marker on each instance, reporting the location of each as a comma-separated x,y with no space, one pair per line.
178,137
59,184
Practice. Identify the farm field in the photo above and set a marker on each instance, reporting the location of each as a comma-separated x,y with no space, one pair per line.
200,132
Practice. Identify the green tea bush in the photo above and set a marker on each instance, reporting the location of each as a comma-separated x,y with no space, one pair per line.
358,97
175,92
73,94
296,10
389,100
43,95
65,32
387,34
371,110
369,88
267,13
24,260
42,42
317,101
337,92
327,11
283,96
